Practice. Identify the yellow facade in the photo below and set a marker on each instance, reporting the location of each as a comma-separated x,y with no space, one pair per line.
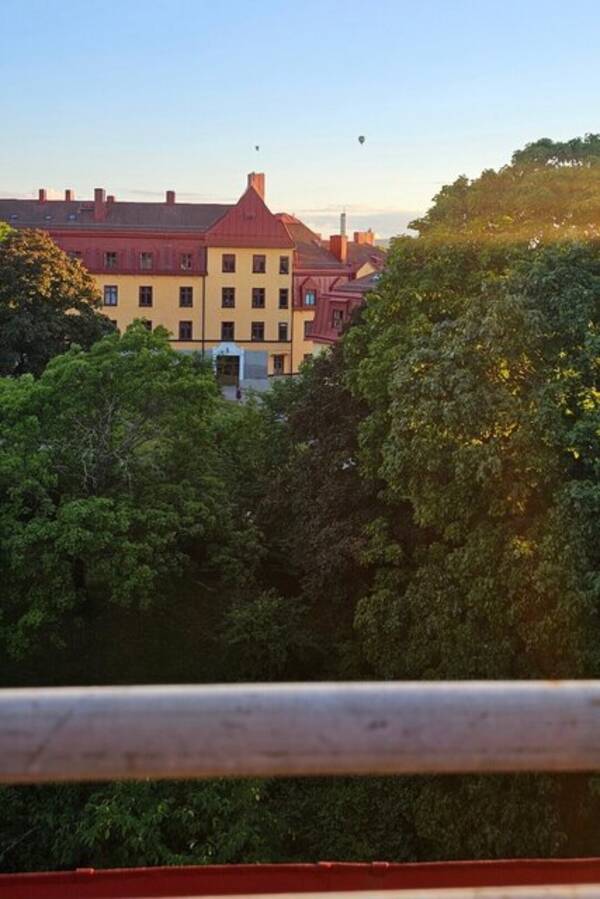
243,314
165,309
207,313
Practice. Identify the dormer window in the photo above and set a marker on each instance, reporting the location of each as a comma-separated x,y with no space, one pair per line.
310,297
146,261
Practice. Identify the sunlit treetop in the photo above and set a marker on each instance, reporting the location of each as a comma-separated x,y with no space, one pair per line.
550,189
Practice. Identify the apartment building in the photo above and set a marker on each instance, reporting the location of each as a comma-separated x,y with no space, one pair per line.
248,289
217,276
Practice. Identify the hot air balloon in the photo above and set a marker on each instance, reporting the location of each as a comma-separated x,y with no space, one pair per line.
361,139
256,147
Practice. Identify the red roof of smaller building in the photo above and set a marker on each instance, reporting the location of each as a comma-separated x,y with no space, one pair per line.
313,253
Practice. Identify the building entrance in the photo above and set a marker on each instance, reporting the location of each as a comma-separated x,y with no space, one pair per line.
228,370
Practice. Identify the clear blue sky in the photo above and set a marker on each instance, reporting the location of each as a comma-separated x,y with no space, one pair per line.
143,95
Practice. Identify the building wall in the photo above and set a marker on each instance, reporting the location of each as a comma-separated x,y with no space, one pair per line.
302,346
166,251
165,309
242,316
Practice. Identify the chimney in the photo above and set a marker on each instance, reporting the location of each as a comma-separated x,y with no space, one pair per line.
99,204
170,198
364,237
343,224
42,195
110,199
338,246
257,181
69,196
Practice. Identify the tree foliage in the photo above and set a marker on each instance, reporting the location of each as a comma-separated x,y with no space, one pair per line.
422,502
113,492
48,302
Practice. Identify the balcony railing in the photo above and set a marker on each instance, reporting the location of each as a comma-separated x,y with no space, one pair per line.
298,729
304,729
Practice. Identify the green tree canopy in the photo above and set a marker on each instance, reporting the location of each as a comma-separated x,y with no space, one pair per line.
48,302
549,190
112,488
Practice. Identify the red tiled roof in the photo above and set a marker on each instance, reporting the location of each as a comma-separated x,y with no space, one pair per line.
357,287
312,252
77,214
249,223
361,253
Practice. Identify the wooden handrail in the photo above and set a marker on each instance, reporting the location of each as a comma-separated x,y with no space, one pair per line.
105,733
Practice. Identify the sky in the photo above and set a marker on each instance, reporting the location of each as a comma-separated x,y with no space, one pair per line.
141,96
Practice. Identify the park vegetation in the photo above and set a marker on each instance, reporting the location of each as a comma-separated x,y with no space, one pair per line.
423,502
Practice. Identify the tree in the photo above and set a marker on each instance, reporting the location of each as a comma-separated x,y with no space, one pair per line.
492,439
48,302
111,490
549,190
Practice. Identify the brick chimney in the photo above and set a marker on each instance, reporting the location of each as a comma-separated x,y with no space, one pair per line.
110,199
69,196
170,198
42,195
364,237
257,181
99,204
338,245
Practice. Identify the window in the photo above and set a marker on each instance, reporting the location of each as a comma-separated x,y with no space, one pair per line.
114,323
283,330
258,331
307,328
147,324
259,264
145,296
186,296
185,330
307,357
278,365
111,295
185,262
284,298
258,297
110,260
74,254
227,331
228,297
310,297
146,261
284,265
228,262
337,319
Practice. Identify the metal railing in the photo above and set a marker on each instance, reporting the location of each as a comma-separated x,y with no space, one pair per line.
105,733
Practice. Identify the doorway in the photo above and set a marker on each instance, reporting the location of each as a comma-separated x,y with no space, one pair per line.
228,371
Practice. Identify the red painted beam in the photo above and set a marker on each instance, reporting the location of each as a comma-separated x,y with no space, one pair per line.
226,880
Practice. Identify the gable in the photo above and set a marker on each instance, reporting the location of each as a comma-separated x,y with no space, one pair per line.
249,224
